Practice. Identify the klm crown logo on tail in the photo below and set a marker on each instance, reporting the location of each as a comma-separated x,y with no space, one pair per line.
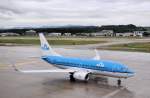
44,47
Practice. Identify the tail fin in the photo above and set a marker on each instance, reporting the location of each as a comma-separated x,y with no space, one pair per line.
46,49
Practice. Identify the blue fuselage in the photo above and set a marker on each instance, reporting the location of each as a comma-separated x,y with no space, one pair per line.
98,65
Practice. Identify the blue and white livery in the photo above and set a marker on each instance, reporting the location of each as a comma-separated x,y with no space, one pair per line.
80,69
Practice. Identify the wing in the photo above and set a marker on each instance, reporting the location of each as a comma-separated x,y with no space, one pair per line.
48,71
44,71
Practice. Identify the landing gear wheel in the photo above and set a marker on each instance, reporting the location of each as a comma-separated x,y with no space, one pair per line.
119,82
86,78
72,79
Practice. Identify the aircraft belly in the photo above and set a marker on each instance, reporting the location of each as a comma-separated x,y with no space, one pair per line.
112,74
98,72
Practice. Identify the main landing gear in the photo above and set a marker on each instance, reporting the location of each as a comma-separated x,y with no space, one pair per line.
119,82
72,79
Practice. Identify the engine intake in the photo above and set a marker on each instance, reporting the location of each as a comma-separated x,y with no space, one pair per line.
81,75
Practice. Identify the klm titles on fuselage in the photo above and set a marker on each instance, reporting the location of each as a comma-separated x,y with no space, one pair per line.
100,64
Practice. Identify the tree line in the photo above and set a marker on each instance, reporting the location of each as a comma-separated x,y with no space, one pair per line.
78,29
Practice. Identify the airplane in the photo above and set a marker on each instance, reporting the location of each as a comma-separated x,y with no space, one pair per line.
80,69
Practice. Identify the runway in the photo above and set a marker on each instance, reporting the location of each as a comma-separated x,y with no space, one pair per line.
54,85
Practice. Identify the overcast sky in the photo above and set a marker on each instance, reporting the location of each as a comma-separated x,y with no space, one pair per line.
73,12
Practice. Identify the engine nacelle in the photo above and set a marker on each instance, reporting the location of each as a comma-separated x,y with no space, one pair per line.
81,75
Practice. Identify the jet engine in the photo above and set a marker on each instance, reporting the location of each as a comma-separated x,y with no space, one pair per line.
84,76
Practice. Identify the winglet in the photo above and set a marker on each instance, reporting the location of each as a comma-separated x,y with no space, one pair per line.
97,57
15,68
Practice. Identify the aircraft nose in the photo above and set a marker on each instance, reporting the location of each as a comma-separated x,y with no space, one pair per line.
130,71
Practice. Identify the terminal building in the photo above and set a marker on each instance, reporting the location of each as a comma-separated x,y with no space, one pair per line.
103,33
138,33
30,32
54,34
124,34
8,34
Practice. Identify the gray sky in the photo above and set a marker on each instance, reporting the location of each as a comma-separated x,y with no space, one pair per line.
73,12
